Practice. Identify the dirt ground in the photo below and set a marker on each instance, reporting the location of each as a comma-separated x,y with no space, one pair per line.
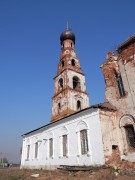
111,172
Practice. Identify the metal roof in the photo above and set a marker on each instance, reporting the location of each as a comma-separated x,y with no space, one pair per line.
105,105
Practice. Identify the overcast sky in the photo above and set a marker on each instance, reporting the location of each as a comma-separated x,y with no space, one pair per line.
30,51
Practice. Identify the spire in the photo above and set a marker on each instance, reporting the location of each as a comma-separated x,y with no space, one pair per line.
67,26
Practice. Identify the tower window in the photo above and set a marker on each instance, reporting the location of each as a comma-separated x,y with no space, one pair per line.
73,62
76,83
120,85
59,106
71,44
61,82
78,105
84,141
62,63
130,135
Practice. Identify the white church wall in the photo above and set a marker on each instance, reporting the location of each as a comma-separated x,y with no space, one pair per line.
71,126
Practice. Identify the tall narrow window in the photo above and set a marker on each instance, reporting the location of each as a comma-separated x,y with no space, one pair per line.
73,62
62,63
50,147
59,106
28,152
65,150
36,149
130,135
120,85
76,83
84,141
61,82
78,105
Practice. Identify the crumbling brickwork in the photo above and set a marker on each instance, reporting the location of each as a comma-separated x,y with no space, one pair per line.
119,75
69,84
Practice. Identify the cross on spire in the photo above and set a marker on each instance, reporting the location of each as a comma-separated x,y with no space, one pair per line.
67,25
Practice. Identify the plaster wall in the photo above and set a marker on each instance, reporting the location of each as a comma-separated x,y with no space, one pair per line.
87,119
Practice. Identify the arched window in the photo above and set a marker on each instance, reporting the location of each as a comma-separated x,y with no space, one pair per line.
62,63
73,62
76,83
78,105
82,131
127,124
61,82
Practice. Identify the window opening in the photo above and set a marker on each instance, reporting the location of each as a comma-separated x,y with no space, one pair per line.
28,152
78,105
50,147
76,83
36,149
71,44
73,62
61,82
130,135
84,141
120,85
62,63
59,106
64,145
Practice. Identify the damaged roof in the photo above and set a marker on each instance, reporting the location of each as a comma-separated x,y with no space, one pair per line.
127,42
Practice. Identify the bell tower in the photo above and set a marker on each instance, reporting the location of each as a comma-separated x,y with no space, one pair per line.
69,84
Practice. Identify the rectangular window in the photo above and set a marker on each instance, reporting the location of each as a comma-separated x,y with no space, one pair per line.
84,141
36,149
120,86
64,145
50,147
130,135
28,152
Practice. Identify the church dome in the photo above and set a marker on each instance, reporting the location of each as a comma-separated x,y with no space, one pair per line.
67,35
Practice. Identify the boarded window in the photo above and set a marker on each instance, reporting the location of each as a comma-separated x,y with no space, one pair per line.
76,83
78,105
120,85
130,135
50,147
36,149
65,145
28,152
84,141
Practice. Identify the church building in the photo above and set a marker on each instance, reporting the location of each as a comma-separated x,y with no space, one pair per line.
79,134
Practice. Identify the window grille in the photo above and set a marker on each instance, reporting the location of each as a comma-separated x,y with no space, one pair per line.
50,147
64,145
28,152
36,149
84,141
120,86
130,135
